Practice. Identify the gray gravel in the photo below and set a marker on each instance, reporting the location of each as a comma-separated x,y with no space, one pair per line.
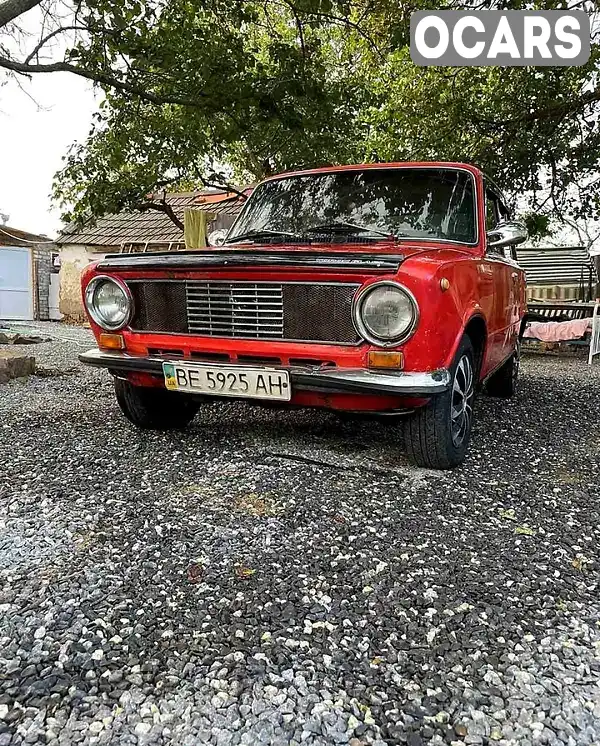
286,578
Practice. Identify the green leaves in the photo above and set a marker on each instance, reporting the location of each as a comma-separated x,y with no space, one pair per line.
538,225
248,85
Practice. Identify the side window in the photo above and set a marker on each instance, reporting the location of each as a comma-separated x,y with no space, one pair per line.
509,252
503,211
496,212
491,210
491,215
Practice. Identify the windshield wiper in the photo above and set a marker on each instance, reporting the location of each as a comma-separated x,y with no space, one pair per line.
342,226
262,233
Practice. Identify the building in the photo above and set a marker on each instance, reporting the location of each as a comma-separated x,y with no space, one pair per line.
28,283
148,230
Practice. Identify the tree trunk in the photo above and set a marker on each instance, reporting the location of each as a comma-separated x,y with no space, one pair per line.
11,9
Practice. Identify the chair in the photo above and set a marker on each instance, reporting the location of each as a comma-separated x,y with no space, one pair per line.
595,338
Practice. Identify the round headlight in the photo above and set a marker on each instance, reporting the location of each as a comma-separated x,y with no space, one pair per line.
386,313
108,301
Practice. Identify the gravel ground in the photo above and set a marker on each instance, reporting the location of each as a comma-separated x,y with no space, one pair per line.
286,578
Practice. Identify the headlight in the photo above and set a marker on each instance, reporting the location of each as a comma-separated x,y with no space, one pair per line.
385,313
108,302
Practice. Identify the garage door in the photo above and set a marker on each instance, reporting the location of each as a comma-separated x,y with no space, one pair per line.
16,291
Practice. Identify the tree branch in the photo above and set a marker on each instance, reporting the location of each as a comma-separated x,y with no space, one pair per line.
162,206
102,78
11,9
223,185
347,22
49,36
338,20
300,31
556,110
216,181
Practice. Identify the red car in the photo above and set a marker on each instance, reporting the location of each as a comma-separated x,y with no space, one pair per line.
384,288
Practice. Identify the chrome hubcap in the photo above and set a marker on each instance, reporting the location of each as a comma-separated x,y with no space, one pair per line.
461,410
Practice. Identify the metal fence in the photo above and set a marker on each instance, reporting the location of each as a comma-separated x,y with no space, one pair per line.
559,267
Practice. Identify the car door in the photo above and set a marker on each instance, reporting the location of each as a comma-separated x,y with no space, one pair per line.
508,285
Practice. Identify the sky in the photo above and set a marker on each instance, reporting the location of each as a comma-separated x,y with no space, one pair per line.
34,136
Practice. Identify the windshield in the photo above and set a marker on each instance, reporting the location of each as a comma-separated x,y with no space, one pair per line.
426,203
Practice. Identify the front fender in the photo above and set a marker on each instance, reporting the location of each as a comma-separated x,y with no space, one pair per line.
448,301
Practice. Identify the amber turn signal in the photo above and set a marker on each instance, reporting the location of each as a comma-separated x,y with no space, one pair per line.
111,342
385,359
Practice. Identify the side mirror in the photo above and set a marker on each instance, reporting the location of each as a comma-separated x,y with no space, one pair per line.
216,238
510,233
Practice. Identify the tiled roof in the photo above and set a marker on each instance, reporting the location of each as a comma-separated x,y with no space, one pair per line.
15,237
150,227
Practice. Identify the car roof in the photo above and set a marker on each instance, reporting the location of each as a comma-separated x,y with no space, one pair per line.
392,165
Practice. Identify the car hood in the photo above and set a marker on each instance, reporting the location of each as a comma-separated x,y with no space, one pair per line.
383,255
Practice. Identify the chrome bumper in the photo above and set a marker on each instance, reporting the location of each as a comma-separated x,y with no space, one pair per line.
330,380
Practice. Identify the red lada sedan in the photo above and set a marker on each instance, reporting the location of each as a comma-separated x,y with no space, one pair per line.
385,288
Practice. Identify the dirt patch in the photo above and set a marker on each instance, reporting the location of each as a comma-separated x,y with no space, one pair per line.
256,505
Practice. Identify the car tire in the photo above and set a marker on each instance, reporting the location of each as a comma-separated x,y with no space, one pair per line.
437,435
503,383
153,408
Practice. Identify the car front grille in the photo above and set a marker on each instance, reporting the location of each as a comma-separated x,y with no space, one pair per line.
221,309
292,311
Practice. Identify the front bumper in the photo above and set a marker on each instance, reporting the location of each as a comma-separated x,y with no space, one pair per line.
329,380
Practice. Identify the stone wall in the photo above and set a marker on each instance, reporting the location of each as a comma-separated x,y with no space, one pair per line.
42,257
73,259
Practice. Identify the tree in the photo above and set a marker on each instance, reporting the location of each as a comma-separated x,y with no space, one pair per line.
580,227
534,131
262,103
192,86
12,9
211,91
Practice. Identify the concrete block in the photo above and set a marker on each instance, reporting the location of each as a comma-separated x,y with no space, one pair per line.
15,365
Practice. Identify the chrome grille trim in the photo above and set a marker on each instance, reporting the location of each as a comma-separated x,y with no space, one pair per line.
295,311
228,309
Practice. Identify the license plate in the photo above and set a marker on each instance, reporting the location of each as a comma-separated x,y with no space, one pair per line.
228,380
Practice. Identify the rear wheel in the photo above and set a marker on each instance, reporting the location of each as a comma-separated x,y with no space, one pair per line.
503,383
438,435
153,408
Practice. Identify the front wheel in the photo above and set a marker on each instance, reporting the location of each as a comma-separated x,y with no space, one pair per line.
438,434
153,408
